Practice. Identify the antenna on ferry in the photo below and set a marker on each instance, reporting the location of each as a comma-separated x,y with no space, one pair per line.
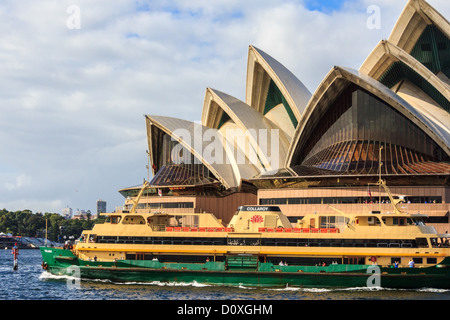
146,183
46,231
148,165
382,183
380,163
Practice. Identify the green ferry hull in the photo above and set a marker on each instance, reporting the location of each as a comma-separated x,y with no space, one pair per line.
63,262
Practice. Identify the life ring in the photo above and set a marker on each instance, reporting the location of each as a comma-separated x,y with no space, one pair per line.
373,259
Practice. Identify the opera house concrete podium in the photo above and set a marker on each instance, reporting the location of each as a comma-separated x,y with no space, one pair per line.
305,151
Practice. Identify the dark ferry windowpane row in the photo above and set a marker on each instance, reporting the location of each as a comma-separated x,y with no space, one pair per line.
288,242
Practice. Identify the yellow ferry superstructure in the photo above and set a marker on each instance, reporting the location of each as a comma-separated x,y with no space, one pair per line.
265,233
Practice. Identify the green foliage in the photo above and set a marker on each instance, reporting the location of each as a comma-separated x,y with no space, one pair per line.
27,224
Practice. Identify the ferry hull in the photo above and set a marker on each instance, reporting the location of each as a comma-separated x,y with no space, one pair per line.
63,262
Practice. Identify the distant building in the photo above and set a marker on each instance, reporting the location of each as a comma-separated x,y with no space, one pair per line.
101,206
84,215
67,212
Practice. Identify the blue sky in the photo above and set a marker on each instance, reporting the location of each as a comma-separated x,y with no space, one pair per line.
324,5
72,128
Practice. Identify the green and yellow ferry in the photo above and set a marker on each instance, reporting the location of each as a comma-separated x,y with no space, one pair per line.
260,247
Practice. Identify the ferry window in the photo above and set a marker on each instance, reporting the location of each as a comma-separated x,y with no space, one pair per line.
371,243
418,260
434,242
323,222
341,222
332,223
313,242
407,244
394,245
421,242
335,243
348,243
328,222
115,219
359,243
443,219
431,260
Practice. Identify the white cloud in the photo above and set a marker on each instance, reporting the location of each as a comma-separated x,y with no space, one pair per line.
72,101
21,181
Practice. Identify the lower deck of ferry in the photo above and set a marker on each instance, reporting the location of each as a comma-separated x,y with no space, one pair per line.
289,260
282,248
244,270
308,256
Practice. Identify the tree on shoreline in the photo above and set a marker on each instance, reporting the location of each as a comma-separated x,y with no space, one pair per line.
28,224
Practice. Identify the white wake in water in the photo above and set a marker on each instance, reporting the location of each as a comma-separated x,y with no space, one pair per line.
48,276
166,284
45,275
357,289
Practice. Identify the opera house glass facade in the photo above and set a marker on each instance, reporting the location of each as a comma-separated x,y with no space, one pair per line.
305,150
348,138
177,165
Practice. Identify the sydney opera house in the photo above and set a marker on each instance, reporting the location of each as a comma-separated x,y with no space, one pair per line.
305,151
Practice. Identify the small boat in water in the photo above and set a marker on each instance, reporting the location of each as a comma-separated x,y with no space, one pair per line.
260,247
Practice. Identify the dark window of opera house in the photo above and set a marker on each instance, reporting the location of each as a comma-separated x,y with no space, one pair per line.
349,135
176,165
344,200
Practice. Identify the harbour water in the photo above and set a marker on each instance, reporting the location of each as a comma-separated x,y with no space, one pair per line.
30,282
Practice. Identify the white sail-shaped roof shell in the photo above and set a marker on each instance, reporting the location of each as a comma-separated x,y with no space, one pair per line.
195,138
257,129
261,68
415,17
